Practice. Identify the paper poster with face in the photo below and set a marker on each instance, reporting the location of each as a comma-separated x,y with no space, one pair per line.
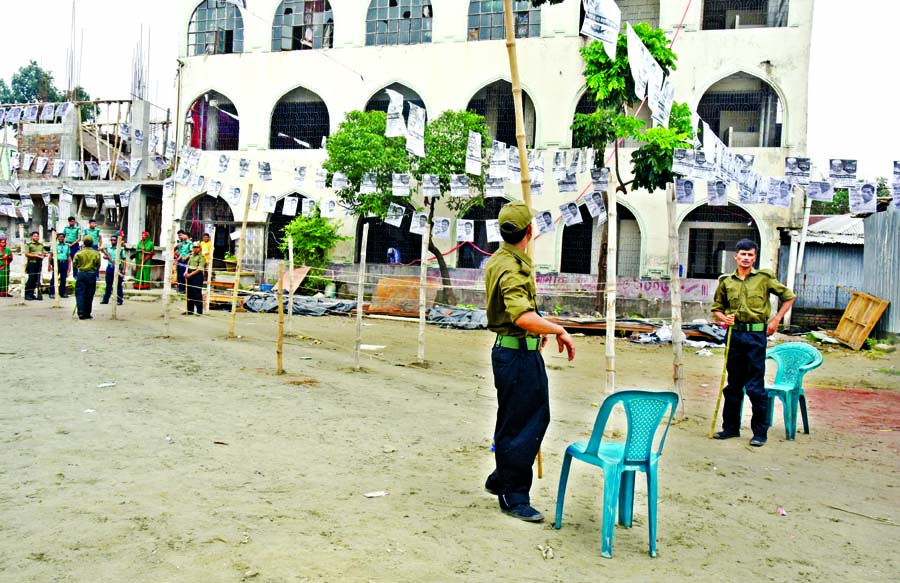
682,161
243,167
497,167
321,176
400,185
62,109
459,185
170,150
396,126
473,154
368,185
895,177
168,187
198,183
537,188
45,196
224,161
513,165
339,181
215,188
595,204
330,209
159,162
289,208
820,191
135,166
123,166
27,161
704,166
602,21
895,197
233,195
254,200
66,195
30,113
536,166
492,226
93,168
574,162
744,167
394,215
48,113
570,213
494,186
441,228
600,179
559,165
40,164
125,131
104,168
14,115
431,186
154,143
109,201
58,166
797,170
419,224
717,193
14,159
308,207
300,176
138,137
90,201
662,105
778,192
567,184
465,231
842,172
863,198
194,157
684,191
183,175
544,221
638,62
264,170
269,203
415,139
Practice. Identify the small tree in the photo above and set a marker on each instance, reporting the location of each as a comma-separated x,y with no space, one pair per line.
314,238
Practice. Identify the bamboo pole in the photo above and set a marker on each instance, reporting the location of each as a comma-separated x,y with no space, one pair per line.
115,158
24,263
54,268
240,259
167,276
209,269
279,351
360,292
97,134
292,284
115,289
612,236
675,291
423,278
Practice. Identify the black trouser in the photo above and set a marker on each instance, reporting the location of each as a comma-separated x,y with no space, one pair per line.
523,414
62,268
85,286
33,269
110,275
746,372
180,270
195,293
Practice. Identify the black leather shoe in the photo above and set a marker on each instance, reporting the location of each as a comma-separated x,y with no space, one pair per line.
726,434
758,441
103,303
524,512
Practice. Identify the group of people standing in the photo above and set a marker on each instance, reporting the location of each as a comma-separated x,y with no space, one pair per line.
191,259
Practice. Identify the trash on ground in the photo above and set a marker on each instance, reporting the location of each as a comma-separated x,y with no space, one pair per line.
823,337
704,352
376,494
371,347
458,318
303,305
105,385
781,511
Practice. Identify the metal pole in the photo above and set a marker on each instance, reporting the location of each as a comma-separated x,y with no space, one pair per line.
209,268
423,278
361,283
24,262
115,290
240,259
792,277
611,256
54,268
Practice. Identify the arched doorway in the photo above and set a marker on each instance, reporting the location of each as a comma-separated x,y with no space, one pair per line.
300,120
495,103
469,257
708,235
380,100
275,226
744,111
213,123
204,212
383,236
581,245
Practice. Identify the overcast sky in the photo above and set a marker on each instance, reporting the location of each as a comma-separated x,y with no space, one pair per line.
846,119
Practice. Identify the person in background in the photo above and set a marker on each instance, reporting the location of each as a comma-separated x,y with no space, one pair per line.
196,265
87,262
73,239
143,254
94,233
109,253
62,265
6,257
206,248
182,254
34,255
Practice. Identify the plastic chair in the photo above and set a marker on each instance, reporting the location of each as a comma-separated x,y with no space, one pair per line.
619,461
794,360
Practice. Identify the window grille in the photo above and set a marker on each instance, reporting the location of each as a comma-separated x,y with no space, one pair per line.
299,115
383,236
398,22
580,245
495,103
380,101
213,123
749,116
469,257
301,25
487,22
730,14
713,233
216,28
275,227
586,106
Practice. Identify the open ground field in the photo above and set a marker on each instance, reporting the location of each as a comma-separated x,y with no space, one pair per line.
201,465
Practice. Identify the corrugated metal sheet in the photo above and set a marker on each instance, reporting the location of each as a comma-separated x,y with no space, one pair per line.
825,267
837,229
882,265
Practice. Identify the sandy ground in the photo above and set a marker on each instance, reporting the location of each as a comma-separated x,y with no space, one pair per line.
201,465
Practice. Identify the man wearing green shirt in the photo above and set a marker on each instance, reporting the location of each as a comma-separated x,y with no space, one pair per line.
194,279
87,262
182,254
742,302
62,265
73,239
523,402
34,255
109,253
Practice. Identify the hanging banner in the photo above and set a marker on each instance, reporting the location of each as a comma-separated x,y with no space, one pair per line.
441,228
570,213
104,168
684,191
254,200
400,185
49,112
396,127
138,137
339,181
330,209
233,195
41,164
465,231
415,140
602,20
289,208
559,165
300,176
717,193
264,170
27,160
863,199
90,201
368,185
215,188
321,176
168,187
497,168
419,224
270,202
545,222
58,166
459,185
492,226
797,170
473,154
595,204
494,186
431,186
842,172
308,207
30,113
820,191
513,165
779,192
394,216
198,183
600,179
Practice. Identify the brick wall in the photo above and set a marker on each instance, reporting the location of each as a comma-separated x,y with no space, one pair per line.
815,318
40,145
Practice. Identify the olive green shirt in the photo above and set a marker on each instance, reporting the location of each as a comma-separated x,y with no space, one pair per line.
87,260
196,261
748,299
32,248
510,290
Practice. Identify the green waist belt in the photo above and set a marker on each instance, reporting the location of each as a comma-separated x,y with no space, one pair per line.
757,327
515,343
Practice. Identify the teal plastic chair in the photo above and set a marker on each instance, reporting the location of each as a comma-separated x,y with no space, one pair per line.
620,460
794,360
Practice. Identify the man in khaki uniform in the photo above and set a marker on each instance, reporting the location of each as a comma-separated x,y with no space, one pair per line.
34,255
742,302
87,262
523,404
193,274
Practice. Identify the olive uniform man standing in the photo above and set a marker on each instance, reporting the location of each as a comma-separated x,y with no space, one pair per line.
523,404
742,302
34,255
193,275
87,262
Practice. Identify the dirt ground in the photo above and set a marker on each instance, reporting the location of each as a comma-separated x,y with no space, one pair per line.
201,465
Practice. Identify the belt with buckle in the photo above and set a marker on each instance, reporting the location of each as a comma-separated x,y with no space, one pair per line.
755,327
528,343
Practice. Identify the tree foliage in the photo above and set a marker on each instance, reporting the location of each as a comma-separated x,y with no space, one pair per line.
30,84
652,162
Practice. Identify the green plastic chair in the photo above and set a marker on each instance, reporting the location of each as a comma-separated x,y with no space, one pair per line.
620,460
794,360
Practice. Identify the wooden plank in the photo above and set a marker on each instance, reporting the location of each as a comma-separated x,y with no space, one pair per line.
860,317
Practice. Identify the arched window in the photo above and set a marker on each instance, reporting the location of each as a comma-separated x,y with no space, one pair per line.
216,28
380,101
472,258
744,111
486,20
383,236
581,245
708,235
302,25
213,123
495,103
275,226
586,106
398,22
299,116
205,212
727,14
